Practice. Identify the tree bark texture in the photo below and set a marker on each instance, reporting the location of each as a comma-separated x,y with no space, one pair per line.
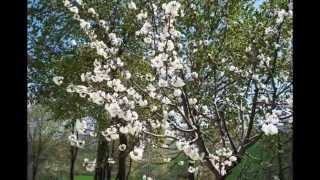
101,167
74,153
122,159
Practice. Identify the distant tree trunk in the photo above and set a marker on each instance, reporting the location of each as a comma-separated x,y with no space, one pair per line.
36,159
108,169
279,148
129,169
30,160
34,172
122,159
74,153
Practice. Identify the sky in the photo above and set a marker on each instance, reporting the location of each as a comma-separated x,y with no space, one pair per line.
258,3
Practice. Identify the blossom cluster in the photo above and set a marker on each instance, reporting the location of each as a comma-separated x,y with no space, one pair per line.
222,159
137,153
120,99
192,169
145,177
74,141
81,127
172,73
89,165
58,80
191,151
269,127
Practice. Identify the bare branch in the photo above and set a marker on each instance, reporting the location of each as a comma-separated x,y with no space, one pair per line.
159,135
252,115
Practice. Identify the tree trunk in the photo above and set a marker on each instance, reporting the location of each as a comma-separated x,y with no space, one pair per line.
34,171
191,175
102,150
74,152
108,172
36,156
122,159
221,177
36,159
30,161
279,148
71,174
108,167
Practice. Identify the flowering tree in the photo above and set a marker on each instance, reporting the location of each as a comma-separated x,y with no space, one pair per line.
40,133
212,77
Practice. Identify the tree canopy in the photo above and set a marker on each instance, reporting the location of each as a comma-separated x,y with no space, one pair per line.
201,82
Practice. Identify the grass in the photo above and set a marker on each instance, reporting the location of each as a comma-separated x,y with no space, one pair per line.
84,178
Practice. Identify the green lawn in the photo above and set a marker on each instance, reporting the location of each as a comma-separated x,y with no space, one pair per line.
84,177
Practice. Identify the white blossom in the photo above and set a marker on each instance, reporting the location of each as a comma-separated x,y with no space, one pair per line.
181,163
113,109
147,40
122,147
81,126
170,45
72,137
84,24
272,118
89,165
178,82
153,108
146,28
79,1
180,145
191,169
92,11
269,129
111,160
136,154
132,5
171,8
74,10
248,49
127,75
144,177
233,158
163,83
227,163
123,130
165,100
177,92
157,62
280,16
58,80
269,31
80,143
142,15
149,77
73,42
194,75
193,101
